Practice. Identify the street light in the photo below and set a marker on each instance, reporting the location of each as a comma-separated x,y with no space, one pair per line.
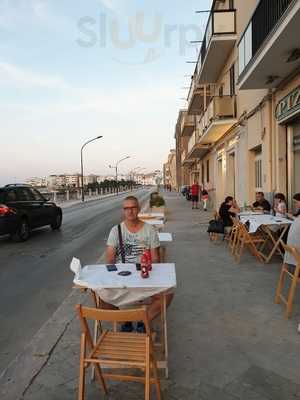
82,187
116,168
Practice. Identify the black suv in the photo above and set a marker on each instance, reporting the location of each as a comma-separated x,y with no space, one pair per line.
23,208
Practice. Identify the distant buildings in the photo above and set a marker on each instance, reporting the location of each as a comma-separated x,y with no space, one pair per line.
73,181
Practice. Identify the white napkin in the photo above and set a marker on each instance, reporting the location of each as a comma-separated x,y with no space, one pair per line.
75,266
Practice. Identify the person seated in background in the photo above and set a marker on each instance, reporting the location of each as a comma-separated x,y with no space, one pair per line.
228,210
280,207
293,238
261,203
296,214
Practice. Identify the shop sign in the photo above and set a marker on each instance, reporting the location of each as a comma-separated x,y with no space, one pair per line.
288,105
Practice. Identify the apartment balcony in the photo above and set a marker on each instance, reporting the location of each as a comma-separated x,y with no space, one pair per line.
269,49
218,42
196,96
195,149
218,118
188,123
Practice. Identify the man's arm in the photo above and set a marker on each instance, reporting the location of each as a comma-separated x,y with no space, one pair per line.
110,255
155,254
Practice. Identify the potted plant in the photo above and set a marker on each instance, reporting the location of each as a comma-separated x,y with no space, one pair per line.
157,202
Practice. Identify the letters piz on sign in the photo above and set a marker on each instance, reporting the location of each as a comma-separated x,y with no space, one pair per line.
288,105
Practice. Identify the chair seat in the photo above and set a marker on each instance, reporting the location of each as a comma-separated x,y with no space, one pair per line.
121,347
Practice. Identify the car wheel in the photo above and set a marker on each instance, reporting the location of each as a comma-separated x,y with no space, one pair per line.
57,222
23,231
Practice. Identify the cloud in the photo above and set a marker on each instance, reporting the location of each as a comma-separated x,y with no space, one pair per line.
21,77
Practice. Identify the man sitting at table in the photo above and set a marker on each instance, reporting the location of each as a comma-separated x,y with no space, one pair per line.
136,237
293,238
261,203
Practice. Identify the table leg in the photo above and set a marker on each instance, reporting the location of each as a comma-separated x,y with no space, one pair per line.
275,243
166,351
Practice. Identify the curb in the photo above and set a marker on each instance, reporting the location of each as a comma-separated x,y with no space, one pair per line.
22,371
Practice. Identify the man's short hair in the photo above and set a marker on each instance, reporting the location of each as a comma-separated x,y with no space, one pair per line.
131,198
261,193
296,197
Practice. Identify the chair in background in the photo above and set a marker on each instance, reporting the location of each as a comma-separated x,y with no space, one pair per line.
117,349
292,273
248,240
233,238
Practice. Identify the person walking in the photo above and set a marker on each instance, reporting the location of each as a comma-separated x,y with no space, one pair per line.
195,189
204,198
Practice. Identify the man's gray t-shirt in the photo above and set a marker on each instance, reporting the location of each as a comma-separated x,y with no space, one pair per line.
134,243
293,240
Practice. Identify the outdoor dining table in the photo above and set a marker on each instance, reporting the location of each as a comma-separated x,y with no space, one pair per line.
270,225
151,215
124,291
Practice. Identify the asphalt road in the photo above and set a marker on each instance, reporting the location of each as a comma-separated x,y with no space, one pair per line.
35,276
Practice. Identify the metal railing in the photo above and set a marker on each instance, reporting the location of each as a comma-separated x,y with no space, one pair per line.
265,18
220,107
220,22
186,120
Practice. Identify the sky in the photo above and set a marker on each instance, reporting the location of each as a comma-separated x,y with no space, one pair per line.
71,70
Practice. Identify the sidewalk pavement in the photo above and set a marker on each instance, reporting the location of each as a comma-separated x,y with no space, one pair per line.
227,338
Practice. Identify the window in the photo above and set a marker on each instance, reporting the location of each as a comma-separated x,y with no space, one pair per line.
36,195
24,194
232,80
11,195
258,173
221,90
207,171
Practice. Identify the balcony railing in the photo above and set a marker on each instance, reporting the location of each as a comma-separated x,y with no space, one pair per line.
187,123
219,108
192,141
264,20
220,22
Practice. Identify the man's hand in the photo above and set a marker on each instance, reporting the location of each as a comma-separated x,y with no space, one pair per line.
110,255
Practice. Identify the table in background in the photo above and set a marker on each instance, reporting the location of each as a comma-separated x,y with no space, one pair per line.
268,224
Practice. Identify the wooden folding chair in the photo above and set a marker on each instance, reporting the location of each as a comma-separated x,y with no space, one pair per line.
117,349
233,235
294,276
249,240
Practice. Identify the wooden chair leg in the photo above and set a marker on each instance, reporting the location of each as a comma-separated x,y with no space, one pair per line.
157,381
147,371
81,387
280,284
290,299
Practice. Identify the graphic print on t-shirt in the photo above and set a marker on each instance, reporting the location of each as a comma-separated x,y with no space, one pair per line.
133,249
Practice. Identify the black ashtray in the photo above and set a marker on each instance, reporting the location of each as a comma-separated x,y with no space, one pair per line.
124,273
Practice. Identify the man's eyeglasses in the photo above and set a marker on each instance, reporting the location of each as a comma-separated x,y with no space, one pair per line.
130,208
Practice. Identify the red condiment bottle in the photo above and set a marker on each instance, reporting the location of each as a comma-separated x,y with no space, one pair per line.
144,266
149,259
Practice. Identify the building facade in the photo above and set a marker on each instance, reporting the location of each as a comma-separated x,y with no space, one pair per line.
169,171
240,132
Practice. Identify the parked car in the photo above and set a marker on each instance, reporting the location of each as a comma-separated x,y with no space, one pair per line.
23,208
186,191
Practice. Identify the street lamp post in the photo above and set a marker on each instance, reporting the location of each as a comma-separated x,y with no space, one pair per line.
116,168
81,159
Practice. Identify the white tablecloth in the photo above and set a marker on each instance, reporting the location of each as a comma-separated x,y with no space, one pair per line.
264,219
124,290
165,237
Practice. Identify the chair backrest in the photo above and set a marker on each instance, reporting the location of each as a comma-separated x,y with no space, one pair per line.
292,250
98,314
